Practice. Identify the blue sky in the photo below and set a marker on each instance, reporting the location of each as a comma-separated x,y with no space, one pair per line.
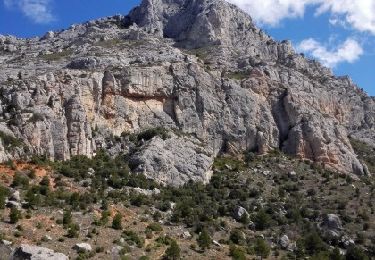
339,33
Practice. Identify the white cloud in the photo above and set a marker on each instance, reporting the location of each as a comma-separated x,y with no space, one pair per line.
359,14
271,12
349,51
39,11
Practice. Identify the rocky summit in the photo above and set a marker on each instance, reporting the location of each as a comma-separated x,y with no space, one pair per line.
174,84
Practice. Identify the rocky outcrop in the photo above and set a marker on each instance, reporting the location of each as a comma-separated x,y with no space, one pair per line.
83,247
284,242
5,249
27,252
200,67
173,161
331,225
239,213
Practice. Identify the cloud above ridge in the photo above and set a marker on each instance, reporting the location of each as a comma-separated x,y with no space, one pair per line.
39,11
358,14
349,51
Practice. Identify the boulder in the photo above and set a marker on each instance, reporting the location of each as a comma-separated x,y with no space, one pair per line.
186,235
116,252
49,35
284,242
83,247
5,249
14,204
239,212
47,238
28,252
331,222
146,192
173,161
15,196
83,63
346,241
331,226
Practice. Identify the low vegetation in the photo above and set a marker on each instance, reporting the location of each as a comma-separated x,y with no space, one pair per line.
365,153
56,56
281,195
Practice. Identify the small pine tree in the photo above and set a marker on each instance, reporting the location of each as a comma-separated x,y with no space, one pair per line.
117,222
313,243
73,230
67,217
204,240
262,220
356,253
14,215
336,255
105,217
2,201
45,181
237,253
261,248
173,252
4,192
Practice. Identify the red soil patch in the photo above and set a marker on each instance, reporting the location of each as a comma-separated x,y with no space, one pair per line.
7,172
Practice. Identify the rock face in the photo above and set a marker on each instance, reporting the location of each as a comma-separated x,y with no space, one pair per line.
200,67
331,225
173,161
27,252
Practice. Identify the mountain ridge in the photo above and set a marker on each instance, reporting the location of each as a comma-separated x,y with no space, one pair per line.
201,67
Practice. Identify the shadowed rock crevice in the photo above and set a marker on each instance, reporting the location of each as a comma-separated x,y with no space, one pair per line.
281,117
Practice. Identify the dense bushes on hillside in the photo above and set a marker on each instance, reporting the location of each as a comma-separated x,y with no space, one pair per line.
274,199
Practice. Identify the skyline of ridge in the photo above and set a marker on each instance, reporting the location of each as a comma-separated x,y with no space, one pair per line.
346,50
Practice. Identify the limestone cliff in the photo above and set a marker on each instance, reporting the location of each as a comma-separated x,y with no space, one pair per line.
198,67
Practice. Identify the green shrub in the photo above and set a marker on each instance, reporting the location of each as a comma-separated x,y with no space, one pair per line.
57,55
261,248
14,215
67,217
237,237
132,237
20,180
36,117
73,230
10,141
238,75
313,243
336,255
117,222
105,217
262,220
365,152
156,227
204,240
4,193
164,240
237,253
33,197
173,252
151,133
356,253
